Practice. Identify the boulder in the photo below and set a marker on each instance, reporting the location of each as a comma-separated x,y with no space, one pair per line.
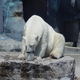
41,69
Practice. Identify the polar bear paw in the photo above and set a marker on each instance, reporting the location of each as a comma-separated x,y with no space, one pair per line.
21,56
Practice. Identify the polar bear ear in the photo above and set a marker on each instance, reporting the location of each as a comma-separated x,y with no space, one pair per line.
37,38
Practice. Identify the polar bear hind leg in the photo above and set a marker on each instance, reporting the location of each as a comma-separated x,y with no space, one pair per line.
59,44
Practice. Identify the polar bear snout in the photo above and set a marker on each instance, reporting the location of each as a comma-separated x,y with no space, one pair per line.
30,53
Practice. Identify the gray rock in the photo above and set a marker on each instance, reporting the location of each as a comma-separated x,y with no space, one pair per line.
43,69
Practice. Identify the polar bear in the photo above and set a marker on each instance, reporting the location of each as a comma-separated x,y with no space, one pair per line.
41,40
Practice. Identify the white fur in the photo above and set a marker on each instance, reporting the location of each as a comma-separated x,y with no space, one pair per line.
41,37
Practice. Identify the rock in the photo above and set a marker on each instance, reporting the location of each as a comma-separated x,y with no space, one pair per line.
43,69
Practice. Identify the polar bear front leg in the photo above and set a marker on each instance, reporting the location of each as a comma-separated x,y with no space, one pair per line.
23,51
44,44
43,47
42,52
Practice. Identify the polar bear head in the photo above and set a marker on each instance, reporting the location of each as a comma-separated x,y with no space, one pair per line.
30,46
31,43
